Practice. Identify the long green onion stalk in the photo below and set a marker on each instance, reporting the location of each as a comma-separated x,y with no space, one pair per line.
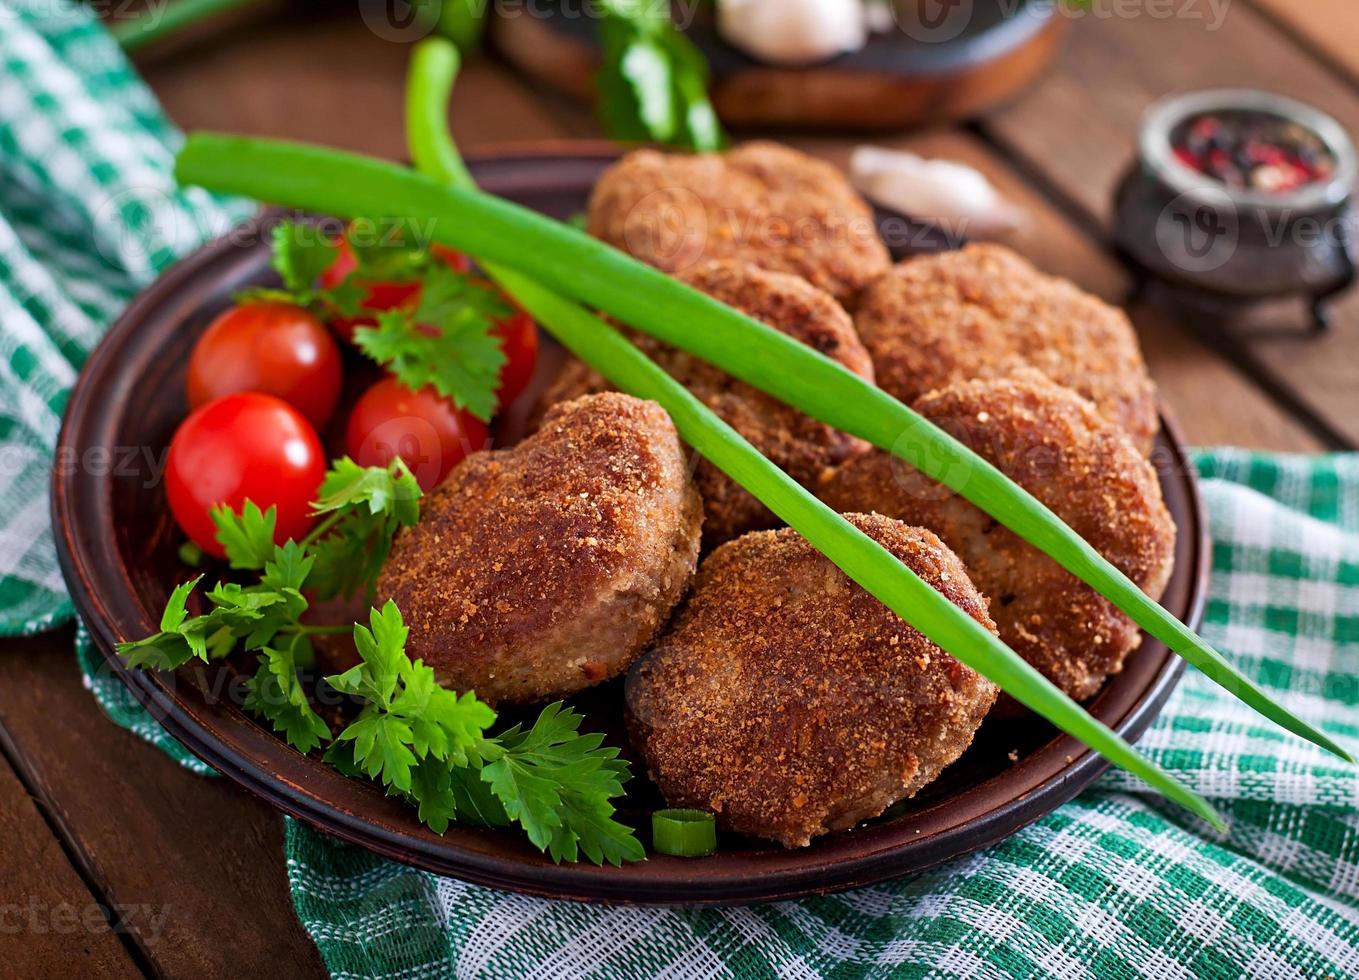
433,70
574,265
161,21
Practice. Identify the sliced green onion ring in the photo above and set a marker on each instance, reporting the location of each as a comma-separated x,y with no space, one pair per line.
684,833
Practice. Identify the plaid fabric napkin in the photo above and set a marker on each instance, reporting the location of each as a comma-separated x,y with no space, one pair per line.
89,213
1115,884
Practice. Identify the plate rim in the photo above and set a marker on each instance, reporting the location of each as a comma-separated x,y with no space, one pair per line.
77,498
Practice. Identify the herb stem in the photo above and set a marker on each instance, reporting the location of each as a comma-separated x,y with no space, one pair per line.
321,529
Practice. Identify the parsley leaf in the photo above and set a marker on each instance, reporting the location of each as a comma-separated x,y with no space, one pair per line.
392,489
248,537
301,253
276,693
408,716
558,785
447,342
181,637
363,507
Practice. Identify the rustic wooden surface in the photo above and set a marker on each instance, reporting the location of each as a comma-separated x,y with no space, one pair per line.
170,874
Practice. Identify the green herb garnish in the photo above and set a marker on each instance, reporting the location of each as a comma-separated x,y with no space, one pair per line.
444,338
445,342
653,86
684,833
362,508
428,744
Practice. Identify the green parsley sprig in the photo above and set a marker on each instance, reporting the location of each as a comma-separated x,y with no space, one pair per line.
444,338
446,341
360,509
418,739
430,745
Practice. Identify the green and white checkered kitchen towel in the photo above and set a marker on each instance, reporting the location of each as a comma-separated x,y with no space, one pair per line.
89,213
1115,884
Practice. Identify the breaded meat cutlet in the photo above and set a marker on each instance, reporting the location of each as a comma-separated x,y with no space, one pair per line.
797,443
791,702
1054,444
760,202
545,568
982,311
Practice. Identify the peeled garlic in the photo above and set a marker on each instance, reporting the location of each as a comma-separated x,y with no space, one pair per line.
793,32
954,194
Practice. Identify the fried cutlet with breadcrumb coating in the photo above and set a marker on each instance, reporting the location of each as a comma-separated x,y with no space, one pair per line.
797,443
542,569
760,202
791,702
1054,444
983,311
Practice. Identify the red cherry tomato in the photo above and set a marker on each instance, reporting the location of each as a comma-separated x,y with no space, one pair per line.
520,336
429,432
244,446
274,348
518,331
380,296
453,259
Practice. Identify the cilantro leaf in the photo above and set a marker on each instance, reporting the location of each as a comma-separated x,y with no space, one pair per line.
248,537
447,342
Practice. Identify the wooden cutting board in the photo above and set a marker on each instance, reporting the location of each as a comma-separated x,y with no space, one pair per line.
953,59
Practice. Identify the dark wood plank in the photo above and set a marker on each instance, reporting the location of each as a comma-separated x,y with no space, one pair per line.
50,923
200,854
1197,383
346,92
1331,27
1075,132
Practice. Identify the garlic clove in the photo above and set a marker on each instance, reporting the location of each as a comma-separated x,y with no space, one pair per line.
957,196
793,32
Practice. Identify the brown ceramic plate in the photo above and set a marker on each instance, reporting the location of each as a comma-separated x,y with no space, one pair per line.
118,550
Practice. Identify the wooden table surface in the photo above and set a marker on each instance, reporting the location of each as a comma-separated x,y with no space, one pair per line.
118,862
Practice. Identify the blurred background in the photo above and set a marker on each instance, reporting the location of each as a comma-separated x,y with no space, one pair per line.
1042,100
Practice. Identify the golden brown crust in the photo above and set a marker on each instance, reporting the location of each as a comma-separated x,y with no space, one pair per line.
791,702
800,445
982,311
1053,443
542,569
760,202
